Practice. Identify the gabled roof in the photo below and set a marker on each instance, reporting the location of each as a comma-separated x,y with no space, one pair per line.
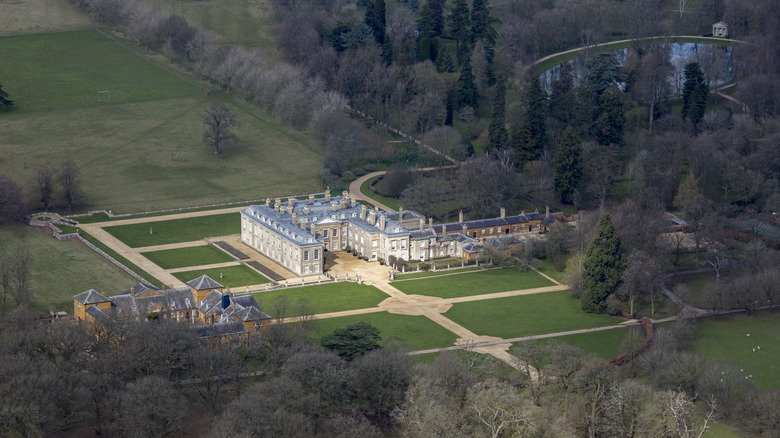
97,314
482,223
139,289
221,329
204,282
90,296
251,314
422,234
533,216
519,219
548,221
245,301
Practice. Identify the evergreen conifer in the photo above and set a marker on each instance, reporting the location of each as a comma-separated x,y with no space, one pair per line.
602,267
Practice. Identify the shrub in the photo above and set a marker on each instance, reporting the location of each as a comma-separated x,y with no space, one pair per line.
424,266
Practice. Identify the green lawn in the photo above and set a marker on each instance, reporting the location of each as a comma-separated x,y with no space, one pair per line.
119,258
176,230
418,332
365,189
192,256
548,268
474,283
62,269
526,315
429,274
603,344
324,298
232,276
69,68
726,339
150,155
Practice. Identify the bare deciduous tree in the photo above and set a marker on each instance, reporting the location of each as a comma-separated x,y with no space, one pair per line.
219,120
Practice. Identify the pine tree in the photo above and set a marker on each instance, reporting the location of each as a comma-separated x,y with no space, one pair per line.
4,100
460,25
602,267
467,94
450,107
431,21
497,135
609,124
694,94
387,52
444,62
375,19
523,144
567,166
482,24
535,100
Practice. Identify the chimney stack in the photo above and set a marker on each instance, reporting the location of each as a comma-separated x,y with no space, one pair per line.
306,210
327,195
354,201
267,202
334,205
344,194
382,222
460,216
400,214
372,217
278,204
290,205
311,198
422,223
430,222
503,212
294,219
522,212
444,229
466,230
363,212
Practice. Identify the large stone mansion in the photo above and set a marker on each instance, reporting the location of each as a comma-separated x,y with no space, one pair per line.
297,233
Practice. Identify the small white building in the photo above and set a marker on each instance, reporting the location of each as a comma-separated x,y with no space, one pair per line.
720,29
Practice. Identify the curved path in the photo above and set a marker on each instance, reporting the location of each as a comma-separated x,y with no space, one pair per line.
354,186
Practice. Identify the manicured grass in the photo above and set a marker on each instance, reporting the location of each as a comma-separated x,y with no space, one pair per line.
324,298
28,16
62,269
697,286
150,155
366,190
428,274
548,268
232,276
726,339
474,283
192,256
88,237
69,68
526,315
176,230
603,344
417,332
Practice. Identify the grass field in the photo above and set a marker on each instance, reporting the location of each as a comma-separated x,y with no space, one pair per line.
548,268
29,16
324,298
365,189
62,269
417,332
431,274
176,230
192,256
473,283
726,339
69,68
603,344
232,276
526,315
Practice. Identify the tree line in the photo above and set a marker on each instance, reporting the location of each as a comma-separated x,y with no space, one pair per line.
53,188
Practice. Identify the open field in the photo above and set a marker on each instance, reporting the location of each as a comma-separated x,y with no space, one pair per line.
69,68
176,230
62,269
726,339
232,276
29,16
526,315
603,344
324,298
417,332
193,256
548,268
474,283
430,274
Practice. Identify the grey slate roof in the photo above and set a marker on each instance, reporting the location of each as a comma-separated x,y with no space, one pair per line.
548,221
204,282
422,234
98,314
139,289
519,219
533,216
91,296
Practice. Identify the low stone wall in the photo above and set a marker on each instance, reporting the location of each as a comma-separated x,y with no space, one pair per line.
114,261
626,357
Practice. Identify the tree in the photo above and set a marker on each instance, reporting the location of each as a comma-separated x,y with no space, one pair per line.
44,179
219,119
151,406
467,94
602,72
497,135
444,62
11,202
5,102
499,408
482,26
397,178
69,177
567,166
459,28
383,376
609,124
602,267
375,19
535,100
353,341
694,94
